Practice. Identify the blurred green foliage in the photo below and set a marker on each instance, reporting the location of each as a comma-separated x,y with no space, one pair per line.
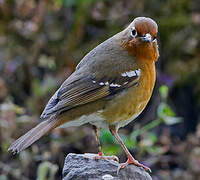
46,171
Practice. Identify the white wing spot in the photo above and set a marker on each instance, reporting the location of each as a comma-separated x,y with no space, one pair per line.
114,85
108,84
124,74
131,73
138,72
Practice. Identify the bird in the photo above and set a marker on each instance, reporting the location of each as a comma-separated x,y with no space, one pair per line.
109,88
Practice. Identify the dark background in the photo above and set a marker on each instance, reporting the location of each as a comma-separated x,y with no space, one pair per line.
41,42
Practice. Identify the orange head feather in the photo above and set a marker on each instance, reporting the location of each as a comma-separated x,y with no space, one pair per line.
139,39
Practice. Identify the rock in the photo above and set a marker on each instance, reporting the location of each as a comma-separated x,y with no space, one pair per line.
85,167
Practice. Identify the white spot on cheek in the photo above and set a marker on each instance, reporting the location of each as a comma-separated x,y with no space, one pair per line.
94,81
101,83
106,83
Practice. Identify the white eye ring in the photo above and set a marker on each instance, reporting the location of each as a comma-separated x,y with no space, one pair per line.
133,32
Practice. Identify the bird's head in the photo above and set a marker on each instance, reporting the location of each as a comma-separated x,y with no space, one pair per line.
139,39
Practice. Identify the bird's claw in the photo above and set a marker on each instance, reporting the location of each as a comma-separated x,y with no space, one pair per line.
134,162
114,158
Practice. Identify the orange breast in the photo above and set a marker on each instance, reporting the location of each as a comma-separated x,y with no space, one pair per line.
131,103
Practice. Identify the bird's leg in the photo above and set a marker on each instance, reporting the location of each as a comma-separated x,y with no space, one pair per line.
131,159
100,153
98,141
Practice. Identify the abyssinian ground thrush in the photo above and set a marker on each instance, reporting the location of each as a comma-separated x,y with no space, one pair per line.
109,88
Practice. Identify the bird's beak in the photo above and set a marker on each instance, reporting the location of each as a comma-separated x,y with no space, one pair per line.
146,38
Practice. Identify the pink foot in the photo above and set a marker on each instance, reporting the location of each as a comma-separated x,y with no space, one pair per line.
134,162
114,158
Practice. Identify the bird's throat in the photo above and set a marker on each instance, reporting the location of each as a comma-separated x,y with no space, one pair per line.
143,51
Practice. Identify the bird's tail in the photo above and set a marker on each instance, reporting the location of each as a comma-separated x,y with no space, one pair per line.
33,135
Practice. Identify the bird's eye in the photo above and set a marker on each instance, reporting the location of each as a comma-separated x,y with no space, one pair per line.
133,32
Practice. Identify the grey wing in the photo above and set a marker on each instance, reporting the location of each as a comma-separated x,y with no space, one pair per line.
50,105
84,89
77,92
